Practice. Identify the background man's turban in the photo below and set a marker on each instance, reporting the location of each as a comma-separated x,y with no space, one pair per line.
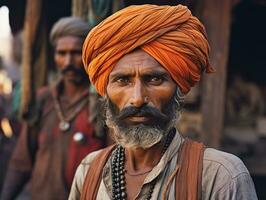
69,26
170,34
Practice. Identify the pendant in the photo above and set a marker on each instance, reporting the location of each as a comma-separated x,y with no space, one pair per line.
79,137
64,126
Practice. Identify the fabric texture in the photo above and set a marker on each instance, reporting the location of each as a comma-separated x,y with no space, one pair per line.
188,172
93,175
170,34
188,180
224,176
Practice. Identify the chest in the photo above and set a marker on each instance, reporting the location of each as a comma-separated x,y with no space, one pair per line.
134,184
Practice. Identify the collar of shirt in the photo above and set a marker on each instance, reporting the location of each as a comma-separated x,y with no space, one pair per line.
155,172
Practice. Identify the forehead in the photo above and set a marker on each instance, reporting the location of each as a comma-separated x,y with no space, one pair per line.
67,42
137,60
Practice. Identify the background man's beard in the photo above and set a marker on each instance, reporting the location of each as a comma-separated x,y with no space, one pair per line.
143,136
80,75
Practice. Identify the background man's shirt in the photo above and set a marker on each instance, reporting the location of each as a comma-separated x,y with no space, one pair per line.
48,154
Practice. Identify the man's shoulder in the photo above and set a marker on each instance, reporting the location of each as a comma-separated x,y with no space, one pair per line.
224,175
43,91
86,162
43,95
227,163
82,171
80,175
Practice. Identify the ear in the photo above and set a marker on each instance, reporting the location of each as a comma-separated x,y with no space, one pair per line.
179,98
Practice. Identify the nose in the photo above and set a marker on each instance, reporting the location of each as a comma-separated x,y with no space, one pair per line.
139,96
68,59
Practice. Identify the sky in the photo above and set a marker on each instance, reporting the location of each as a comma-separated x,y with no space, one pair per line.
5,41
4,25
5,33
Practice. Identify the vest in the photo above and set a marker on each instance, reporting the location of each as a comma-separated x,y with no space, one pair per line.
187,180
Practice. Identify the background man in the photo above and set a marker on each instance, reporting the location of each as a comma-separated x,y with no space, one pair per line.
50,149
143,59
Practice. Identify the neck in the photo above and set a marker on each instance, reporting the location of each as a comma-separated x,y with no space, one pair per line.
72,91
139,160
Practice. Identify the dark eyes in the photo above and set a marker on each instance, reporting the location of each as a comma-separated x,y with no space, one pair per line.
122,79
155,79
149,79
64,53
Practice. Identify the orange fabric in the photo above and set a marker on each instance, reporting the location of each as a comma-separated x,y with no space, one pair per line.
170,34
189,177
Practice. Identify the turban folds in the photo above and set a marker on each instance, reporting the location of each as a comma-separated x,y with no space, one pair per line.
170,34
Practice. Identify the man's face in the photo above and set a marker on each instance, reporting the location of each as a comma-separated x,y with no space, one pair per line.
68,59
140,100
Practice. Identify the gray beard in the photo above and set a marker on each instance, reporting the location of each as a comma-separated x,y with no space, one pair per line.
139,136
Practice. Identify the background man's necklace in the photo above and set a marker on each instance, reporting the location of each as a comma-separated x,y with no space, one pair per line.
118,171
64,124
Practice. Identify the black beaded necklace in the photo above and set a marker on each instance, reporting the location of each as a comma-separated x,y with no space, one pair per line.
118,171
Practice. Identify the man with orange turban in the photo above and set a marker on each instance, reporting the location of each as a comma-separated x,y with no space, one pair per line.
143,60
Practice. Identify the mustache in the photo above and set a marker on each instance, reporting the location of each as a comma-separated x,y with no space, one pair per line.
72,68
146,111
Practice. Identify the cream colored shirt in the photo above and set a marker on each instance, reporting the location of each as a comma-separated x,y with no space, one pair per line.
224,177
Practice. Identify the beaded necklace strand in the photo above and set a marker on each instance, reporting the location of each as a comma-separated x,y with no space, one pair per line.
118,171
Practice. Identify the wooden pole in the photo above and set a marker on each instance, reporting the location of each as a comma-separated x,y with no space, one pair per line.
31,20
34,54
216,16
80,8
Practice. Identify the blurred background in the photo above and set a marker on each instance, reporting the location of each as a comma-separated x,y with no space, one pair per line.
227,110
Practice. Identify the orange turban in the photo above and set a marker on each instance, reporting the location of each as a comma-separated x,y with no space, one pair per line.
170,34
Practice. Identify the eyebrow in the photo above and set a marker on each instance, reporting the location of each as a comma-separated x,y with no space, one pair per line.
156,73
148,73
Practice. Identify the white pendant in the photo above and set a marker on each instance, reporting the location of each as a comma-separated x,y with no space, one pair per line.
64,126
79,137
